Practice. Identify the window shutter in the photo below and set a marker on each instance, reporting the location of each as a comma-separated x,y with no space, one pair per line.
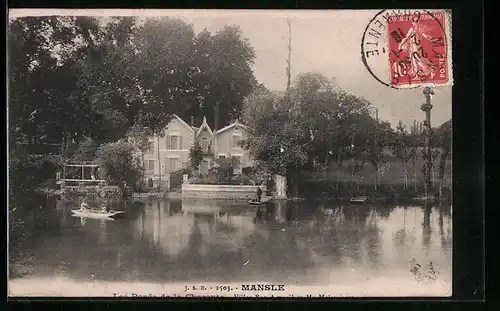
180,143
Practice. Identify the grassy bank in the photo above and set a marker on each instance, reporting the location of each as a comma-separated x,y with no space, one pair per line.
391,180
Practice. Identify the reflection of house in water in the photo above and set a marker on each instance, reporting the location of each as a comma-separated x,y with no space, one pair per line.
172,233
103,236
168,232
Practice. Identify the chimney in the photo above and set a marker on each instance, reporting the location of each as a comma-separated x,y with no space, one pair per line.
192,121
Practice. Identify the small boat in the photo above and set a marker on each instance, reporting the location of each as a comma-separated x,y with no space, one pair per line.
358,200
262,201
95,213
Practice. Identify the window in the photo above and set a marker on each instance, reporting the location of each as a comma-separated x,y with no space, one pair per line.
236,141
172,165
204,144
237,164
174,142
150,165
150,148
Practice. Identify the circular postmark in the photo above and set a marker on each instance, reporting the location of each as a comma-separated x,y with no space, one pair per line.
407,48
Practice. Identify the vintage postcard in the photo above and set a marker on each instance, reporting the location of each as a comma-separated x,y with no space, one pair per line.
229,153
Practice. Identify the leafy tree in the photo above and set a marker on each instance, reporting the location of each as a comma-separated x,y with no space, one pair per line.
195,156
139,137
118,163
380,139
403,149
85,151
223,62
316,120
92,79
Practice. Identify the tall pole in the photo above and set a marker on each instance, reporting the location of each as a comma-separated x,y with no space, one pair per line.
159,162
376,150
427,107
288,68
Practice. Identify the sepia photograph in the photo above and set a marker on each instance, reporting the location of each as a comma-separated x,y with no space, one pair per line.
229,153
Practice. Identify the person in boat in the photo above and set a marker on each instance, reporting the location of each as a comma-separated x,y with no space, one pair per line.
259,194
84,206
105,207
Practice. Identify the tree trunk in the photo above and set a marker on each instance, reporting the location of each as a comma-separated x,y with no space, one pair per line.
338,170
326,165
281,185
442,166
415,172
432,172
405,172
142,171
295,182
352,171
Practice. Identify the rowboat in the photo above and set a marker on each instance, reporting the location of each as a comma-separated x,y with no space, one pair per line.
358,200
98,214
262,201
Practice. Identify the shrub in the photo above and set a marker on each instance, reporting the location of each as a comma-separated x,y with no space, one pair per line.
248,171
195,156
118,164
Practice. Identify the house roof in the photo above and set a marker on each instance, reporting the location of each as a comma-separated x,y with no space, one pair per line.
230,126
183,122
204,124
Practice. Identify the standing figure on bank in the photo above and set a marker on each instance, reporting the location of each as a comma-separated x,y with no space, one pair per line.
259,194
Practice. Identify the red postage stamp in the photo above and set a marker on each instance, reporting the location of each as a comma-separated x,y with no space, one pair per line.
409,48
418,49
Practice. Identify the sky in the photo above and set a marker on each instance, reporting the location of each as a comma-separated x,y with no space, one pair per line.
328,42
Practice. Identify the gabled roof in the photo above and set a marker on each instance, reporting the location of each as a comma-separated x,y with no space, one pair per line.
183,122
203,125
230,126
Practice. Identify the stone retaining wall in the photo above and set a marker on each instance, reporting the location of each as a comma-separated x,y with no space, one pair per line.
235,192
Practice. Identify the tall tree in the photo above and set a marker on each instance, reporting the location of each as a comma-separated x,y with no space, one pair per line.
403,149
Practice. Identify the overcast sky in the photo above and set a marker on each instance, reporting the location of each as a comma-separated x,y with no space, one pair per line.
325,41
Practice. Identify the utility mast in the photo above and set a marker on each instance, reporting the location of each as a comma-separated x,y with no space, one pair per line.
288,68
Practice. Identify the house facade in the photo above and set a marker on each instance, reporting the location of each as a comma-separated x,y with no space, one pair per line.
169,152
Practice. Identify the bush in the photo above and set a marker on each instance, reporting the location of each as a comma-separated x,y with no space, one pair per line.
248,171
195,156
118,164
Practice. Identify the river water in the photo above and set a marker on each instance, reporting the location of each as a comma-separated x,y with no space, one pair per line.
310,246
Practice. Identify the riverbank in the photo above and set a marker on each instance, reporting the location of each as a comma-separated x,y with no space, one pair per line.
375,287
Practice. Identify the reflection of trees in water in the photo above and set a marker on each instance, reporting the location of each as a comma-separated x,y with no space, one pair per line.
269,251
443,211
372,238
401,236
175,207
385,211
192,255
426,226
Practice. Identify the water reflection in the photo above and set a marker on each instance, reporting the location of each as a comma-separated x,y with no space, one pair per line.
307,242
